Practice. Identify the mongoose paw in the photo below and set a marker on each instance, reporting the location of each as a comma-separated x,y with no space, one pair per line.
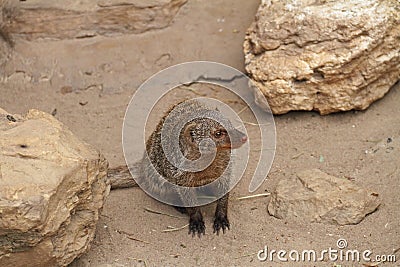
221,222
196,226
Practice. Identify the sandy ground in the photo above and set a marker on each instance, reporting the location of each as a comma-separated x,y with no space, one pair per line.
104,73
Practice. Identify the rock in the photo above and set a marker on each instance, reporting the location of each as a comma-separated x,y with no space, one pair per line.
78,19
314,196
328,56
52,188
5,46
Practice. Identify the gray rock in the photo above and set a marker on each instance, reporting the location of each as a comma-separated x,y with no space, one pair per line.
314,196
37,19
52,188
326,56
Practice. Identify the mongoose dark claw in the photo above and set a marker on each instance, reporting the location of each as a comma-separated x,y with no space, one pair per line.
221,223
197,226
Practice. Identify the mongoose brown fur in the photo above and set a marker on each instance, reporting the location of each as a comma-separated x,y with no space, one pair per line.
155,163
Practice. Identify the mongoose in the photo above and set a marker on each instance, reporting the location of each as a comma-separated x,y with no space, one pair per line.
191,136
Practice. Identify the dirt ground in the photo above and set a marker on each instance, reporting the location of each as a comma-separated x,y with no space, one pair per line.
104,72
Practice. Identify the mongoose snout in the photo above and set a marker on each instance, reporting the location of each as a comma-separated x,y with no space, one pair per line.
237,138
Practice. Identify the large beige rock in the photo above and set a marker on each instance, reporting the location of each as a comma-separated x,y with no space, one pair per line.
5,42
329,56
314,196
35,19
5,50
52,188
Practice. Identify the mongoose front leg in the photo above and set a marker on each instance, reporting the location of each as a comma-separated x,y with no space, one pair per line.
196,223
221,215
181,209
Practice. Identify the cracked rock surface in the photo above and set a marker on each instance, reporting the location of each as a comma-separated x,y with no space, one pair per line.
52,188
47,19
327,56
315,196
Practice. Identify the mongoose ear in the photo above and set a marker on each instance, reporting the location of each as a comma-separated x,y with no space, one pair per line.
189,131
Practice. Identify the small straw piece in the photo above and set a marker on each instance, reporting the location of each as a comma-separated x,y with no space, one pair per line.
162,213
298,155
173,229
130,236
254,196
243,109
255,124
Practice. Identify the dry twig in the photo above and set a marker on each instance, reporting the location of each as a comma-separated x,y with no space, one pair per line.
254,196
162,213
173,229
130,236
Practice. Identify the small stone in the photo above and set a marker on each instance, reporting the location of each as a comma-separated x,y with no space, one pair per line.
314,196
66,90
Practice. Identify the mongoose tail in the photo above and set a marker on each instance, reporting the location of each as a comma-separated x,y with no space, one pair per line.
120,177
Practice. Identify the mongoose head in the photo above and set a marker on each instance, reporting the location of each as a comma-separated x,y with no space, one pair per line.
224,138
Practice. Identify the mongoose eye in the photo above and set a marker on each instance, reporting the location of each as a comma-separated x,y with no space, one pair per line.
219,134
192,133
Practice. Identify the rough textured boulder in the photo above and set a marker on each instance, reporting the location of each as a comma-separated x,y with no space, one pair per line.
85,18
314,196
5,43
327,56
5,50
52,188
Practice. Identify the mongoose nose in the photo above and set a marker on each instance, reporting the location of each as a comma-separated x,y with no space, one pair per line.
244,139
